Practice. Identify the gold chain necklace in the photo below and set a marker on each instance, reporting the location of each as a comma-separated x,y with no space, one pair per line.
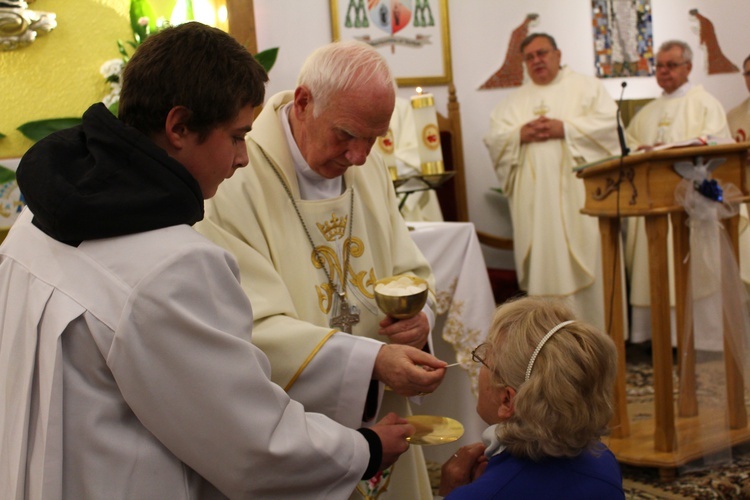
343,315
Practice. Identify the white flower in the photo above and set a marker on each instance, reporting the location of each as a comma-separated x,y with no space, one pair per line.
111,68
143,21
112,97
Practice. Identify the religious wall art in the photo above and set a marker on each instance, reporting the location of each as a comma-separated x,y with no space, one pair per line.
510,73
19,25
717,62
413,35
623,38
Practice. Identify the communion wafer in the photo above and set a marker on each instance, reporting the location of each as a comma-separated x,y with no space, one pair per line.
400,287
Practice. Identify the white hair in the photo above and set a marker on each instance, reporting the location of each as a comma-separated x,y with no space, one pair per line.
687,52
342,66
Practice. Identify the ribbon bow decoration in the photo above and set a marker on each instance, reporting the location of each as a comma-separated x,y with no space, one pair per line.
698,172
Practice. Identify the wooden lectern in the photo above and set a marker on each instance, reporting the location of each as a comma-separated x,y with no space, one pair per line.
644,185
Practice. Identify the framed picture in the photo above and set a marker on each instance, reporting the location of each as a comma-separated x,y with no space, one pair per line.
413,35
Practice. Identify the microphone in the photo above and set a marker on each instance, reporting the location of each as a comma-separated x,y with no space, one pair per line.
620,132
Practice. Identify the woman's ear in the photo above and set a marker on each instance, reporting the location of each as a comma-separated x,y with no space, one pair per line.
176,128
506,408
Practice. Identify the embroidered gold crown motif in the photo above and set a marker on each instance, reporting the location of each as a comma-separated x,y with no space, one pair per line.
333,229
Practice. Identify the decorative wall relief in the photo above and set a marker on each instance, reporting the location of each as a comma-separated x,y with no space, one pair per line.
717,61
623,39
510,73
19,26
412,35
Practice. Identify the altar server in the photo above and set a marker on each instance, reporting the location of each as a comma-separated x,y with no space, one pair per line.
125,357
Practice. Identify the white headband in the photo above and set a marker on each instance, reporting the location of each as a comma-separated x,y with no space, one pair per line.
541,344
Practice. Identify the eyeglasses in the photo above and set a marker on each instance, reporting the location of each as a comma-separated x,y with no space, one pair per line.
669,65
479,354
541,54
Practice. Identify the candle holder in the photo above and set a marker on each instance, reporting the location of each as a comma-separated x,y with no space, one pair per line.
399,181
433,167
436,180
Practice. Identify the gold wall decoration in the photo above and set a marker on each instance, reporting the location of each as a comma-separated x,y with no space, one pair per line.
19,25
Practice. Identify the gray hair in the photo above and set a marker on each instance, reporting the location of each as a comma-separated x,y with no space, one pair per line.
687,52
530,38
342,66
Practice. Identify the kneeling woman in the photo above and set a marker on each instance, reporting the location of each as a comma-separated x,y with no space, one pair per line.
545,388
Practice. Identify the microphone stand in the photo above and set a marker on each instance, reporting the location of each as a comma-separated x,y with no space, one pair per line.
620,131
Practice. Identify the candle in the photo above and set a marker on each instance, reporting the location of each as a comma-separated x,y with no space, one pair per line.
386,148
428,133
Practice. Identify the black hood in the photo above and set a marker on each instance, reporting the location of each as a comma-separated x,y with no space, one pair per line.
102,179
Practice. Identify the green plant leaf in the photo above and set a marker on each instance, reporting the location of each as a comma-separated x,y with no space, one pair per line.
40,129
2,136
139,9
114,108
6,174
267,58
189,13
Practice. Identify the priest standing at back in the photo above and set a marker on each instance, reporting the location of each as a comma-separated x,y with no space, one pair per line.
538,134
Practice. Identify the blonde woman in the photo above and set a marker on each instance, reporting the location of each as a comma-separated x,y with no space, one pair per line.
545,389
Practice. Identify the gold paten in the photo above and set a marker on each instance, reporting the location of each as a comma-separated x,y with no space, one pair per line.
432,429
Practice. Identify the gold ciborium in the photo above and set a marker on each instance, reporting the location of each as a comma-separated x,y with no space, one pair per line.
401,297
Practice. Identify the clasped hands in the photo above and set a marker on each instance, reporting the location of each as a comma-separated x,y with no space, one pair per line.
467,464
402,365
542,129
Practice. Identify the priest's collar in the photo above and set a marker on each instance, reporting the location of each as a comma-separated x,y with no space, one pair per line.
564,70
312,186
679,92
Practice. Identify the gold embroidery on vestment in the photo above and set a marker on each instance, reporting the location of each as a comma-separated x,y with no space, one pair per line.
332,230
335,229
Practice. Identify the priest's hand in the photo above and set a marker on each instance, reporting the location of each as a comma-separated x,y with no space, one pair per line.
393,431
464,467
542,129
407,370
413,331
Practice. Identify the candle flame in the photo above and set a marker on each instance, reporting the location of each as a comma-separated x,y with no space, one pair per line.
419,90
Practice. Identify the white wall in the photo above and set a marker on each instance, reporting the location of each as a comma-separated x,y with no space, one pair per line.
479,33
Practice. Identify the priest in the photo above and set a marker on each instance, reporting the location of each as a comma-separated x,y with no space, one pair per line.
314,223
538,134
683,111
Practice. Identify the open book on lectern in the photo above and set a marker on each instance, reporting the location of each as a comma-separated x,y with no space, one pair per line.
705,140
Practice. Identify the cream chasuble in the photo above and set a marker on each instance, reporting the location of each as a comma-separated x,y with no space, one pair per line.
739,121
556,248
687,113
253,217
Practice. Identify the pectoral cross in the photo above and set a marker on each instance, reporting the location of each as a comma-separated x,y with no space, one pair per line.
344,316
663,126
541,110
